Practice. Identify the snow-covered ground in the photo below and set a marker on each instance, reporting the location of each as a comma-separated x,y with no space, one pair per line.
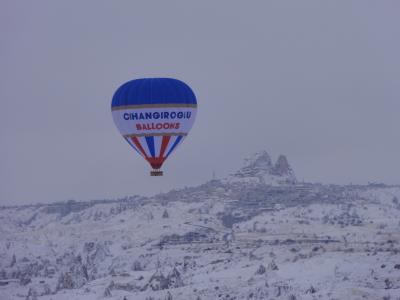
257,234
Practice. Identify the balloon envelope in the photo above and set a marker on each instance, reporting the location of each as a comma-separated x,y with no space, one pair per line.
154,115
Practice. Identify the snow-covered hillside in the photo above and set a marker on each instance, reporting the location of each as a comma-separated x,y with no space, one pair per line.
258,234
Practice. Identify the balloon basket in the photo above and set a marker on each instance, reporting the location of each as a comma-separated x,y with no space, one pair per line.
156,173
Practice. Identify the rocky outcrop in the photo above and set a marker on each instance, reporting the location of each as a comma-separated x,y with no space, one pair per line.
282,167
32,294
261,270
258,164
75,278
174,279
258,168
157,282
79,269
272,266
165,214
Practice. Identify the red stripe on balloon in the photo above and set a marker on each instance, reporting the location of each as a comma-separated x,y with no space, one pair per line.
164,144
137,144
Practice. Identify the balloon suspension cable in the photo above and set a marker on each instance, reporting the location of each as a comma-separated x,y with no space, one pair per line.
156,173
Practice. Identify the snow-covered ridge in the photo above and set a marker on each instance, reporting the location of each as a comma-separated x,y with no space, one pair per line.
258,234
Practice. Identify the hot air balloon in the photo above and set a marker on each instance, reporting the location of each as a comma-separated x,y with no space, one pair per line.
154,115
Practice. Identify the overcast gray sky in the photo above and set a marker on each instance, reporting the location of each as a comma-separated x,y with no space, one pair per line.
318,81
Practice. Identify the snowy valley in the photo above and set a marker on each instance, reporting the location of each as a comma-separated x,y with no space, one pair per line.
257,234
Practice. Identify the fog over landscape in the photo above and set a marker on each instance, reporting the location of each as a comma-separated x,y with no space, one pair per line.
316,81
